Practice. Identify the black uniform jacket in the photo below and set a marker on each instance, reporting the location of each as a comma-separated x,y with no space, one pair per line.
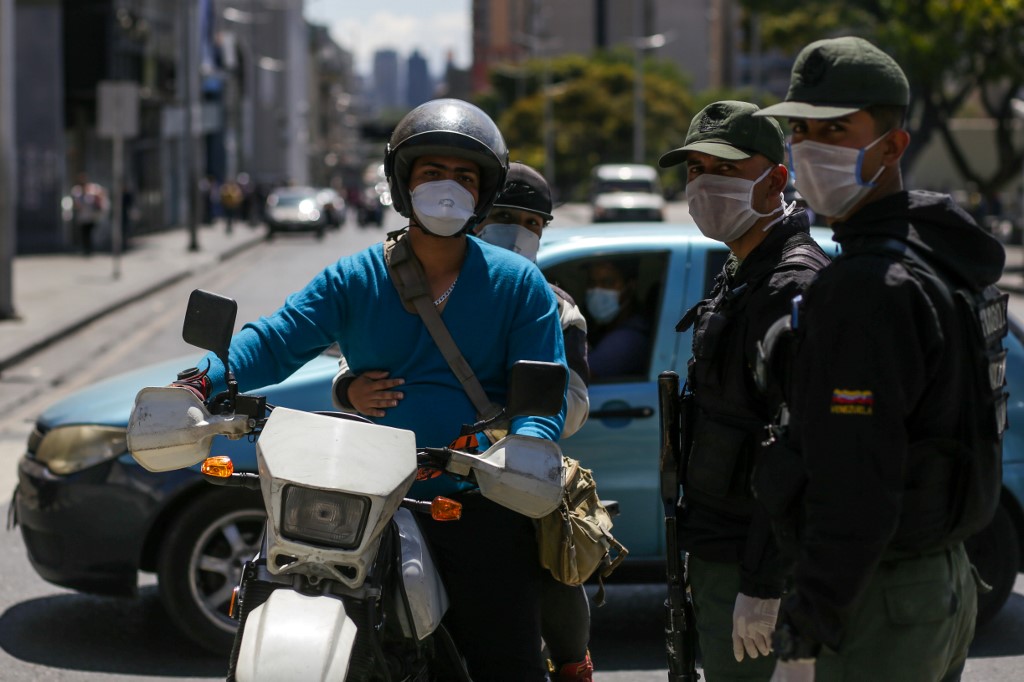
880,366
745,301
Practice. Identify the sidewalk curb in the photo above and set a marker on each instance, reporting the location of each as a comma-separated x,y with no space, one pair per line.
75,325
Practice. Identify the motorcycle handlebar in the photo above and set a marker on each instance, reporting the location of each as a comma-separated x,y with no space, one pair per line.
239,479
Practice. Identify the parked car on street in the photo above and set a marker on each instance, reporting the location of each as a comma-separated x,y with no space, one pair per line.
296,209
626,192
92,518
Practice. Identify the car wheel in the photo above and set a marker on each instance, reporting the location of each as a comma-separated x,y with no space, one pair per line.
320,234
201,560
995,552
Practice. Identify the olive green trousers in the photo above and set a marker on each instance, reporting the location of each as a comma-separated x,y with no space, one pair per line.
713,587
914,623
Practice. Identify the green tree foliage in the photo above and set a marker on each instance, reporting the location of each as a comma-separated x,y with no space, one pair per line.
592,112
954,52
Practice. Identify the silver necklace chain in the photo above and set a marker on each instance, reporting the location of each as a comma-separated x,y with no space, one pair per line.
445,295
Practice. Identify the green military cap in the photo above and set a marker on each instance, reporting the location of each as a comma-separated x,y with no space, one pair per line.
729,130
838,76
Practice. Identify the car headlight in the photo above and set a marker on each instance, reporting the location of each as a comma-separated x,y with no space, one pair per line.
68,449
323,517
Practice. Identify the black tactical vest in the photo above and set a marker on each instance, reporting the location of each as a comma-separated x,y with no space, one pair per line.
728,422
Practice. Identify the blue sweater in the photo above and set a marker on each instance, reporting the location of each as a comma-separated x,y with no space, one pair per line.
500,311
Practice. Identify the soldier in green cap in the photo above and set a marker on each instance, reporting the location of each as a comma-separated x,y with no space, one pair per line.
735,177
897,411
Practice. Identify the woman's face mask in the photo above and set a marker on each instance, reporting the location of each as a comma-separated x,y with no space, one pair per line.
442,207
603,304
828,176
515,238
721,205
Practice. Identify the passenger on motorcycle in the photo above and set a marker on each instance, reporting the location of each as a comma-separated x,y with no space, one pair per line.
445,163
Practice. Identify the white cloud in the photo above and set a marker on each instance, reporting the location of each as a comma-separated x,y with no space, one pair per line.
434,36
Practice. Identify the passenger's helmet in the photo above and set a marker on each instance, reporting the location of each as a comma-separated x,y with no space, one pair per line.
447,127
527,190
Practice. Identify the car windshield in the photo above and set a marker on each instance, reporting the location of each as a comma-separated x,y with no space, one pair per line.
609,186
289,200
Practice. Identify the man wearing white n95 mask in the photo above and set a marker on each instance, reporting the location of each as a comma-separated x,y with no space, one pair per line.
445,164
735,179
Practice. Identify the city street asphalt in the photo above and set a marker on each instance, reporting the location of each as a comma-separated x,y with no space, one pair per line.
56,294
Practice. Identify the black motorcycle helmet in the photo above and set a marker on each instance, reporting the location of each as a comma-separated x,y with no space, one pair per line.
527,190
447,127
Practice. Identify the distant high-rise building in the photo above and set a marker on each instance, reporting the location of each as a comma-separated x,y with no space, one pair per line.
457,82
386,85
701,36
419,85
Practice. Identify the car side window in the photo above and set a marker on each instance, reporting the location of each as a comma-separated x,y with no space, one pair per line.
714,260
620,295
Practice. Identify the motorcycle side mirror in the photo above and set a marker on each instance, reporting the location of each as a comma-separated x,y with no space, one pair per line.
536,388
209,321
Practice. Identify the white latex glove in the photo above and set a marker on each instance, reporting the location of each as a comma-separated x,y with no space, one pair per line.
797,670
753,621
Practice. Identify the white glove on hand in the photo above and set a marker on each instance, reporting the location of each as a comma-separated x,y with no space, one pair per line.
753,621
797,670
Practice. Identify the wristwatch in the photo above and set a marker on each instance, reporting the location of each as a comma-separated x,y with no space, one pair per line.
789,645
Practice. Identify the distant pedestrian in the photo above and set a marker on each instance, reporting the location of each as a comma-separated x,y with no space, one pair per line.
231,200
89,205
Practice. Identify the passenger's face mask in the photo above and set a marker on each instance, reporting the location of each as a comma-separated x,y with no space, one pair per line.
721,205
515,238
442,207
828,176
603,304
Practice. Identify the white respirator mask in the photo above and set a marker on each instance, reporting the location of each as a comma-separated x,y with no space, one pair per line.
515,238
721,205
442,207
828,176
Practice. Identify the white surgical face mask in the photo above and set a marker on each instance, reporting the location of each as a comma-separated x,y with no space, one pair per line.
828,176
442,207
603,304
721,205
515,238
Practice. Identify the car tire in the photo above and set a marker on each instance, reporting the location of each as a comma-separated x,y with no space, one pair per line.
200,563
995,552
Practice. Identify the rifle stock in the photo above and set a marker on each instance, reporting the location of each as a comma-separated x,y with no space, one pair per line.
680,628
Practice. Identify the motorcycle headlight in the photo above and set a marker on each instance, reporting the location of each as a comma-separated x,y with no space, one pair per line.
323,517
68,449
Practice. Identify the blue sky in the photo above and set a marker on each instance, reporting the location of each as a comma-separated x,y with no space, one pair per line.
435,27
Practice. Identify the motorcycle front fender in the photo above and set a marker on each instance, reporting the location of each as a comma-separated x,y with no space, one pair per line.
295,637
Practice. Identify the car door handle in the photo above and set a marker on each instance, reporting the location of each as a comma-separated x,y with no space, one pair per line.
624,413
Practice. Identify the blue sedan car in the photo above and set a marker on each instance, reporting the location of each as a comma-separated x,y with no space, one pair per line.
92,518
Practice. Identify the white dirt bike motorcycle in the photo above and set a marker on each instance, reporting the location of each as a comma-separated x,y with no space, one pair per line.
344,586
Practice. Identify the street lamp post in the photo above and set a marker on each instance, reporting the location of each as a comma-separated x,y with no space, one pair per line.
7,171
1017,107
536,44
190,83
639,46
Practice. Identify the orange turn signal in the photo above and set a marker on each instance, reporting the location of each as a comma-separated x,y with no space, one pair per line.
233,603
444,509
220,466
